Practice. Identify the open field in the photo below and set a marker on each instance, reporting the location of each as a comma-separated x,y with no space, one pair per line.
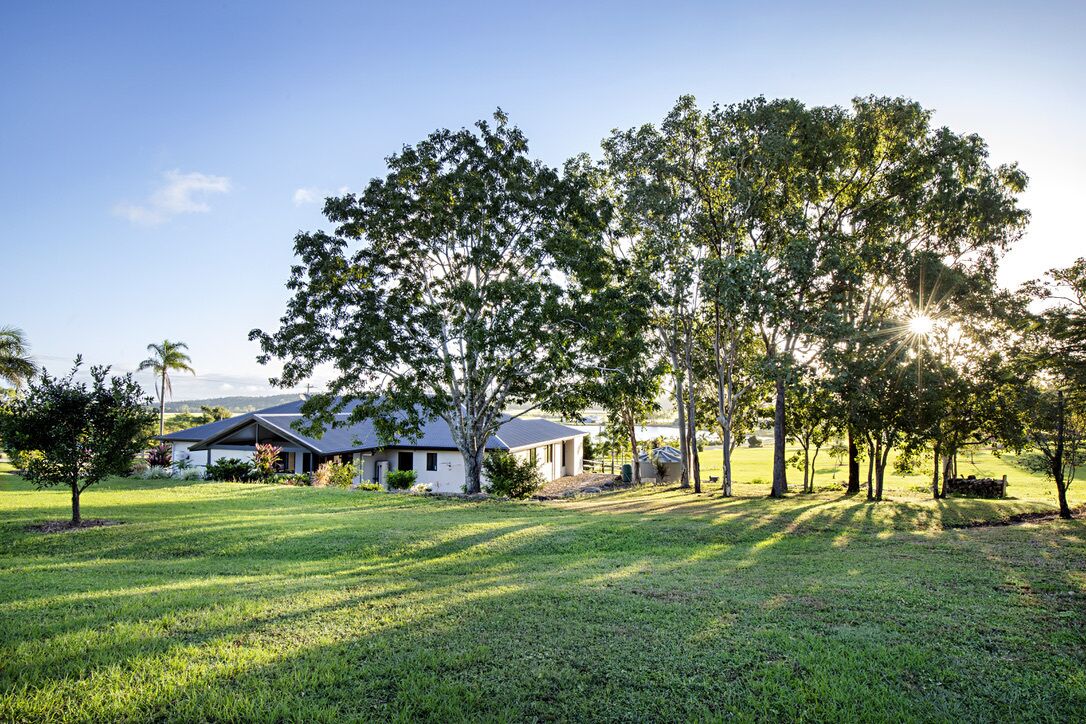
755,465
229,601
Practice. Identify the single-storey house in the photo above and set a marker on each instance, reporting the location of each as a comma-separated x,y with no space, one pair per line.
556,449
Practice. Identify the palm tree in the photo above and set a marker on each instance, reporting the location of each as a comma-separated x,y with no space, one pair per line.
16,366
164,358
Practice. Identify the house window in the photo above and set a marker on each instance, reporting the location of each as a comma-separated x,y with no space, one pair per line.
431,461
531,456
405,461
550,453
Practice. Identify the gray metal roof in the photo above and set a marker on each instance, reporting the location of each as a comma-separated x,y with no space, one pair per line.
200,432
512,434
665,454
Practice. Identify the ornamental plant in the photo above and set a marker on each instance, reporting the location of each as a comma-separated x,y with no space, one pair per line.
265,460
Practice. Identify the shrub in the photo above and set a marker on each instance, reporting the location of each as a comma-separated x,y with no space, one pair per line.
189,473
229,469
156,472
754,441
421,488
160,456
511,477
334,474
138,466
401,479
292,479
265,461
369,486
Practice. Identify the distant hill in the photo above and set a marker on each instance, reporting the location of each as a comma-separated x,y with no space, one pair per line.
237,403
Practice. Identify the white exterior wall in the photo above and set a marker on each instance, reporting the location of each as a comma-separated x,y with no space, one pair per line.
199,458
553,470
576,464
448,478
181,452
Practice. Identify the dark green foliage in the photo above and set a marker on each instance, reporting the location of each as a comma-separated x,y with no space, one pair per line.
510,477
448,273
215,412
74,434
230,470
400,479
303,479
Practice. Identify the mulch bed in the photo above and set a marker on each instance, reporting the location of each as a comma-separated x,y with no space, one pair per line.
585,483
60,526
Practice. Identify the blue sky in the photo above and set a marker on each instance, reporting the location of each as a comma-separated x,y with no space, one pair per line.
158,158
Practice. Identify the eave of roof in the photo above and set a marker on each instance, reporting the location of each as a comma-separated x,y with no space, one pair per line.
514,433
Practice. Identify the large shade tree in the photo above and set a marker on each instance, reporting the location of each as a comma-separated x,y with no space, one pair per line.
16,364
444,291
905,197
76,434
165,358
655,173
1054,403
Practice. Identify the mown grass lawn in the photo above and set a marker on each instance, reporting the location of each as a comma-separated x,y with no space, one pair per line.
230,601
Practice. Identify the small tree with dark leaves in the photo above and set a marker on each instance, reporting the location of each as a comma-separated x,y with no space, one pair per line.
79,434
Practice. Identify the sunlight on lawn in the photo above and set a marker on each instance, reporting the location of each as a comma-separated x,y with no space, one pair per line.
233,601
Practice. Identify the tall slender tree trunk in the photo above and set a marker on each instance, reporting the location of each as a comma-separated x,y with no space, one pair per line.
814,460
948,466
684,446
692,436
780,474
726,453
872,451
853,465
725,392
935,470
631,429
880,470
77,517
806,467
1057,460
162,404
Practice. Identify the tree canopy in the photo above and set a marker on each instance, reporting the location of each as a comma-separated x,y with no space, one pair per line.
74,434
445,291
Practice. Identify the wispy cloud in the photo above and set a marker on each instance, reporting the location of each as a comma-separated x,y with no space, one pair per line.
315,195
304,196
180,193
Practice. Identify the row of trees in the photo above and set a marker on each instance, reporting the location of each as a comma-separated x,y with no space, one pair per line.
838,263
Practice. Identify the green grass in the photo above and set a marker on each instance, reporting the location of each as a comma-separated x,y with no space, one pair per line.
756,464
230,601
